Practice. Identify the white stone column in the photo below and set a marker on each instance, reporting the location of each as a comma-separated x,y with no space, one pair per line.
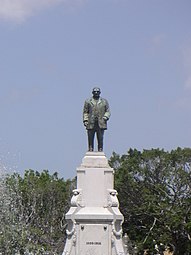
94,219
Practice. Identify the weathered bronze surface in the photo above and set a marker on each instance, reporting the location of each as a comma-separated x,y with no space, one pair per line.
96,113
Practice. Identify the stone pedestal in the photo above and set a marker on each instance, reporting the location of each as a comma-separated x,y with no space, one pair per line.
94,219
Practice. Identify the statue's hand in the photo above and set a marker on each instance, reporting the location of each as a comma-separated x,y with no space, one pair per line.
85,123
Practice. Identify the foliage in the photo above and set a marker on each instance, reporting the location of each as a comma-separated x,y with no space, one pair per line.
154,189
33,221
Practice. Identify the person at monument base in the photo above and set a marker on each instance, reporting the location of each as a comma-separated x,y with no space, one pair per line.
96,113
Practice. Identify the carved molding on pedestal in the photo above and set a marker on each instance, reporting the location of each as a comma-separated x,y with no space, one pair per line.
71,238
117,228
76,200
73,229
112,200
94,219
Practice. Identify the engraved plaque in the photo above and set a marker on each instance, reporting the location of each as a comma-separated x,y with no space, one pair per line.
94,239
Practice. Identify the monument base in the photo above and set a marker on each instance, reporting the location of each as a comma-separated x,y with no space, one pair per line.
94,220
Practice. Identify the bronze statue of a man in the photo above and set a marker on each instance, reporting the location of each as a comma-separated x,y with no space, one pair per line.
96,113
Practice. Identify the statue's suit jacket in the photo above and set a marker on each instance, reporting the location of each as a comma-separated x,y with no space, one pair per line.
93,109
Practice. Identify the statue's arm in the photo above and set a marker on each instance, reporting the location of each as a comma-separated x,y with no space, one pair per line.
107,110
86,112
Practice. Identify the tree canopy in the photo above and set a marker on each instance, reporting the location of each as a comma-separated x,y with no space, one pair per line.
33,213
154,191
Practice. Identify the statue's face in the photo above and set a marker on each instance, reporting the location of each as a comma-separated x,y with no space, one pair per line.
96,92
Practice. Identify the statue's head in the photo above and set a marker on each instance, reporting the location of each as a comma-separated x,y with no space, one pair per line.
96,92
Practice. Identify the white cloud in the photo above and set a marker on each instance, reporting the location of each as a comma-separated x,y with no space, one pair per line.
19,10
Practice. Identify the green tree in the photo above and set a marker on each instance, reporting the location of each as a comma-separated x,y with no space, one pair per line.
38,209
154,189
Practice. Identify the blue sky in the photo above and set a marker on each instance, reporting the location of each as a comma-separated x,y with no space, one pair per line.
53,52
